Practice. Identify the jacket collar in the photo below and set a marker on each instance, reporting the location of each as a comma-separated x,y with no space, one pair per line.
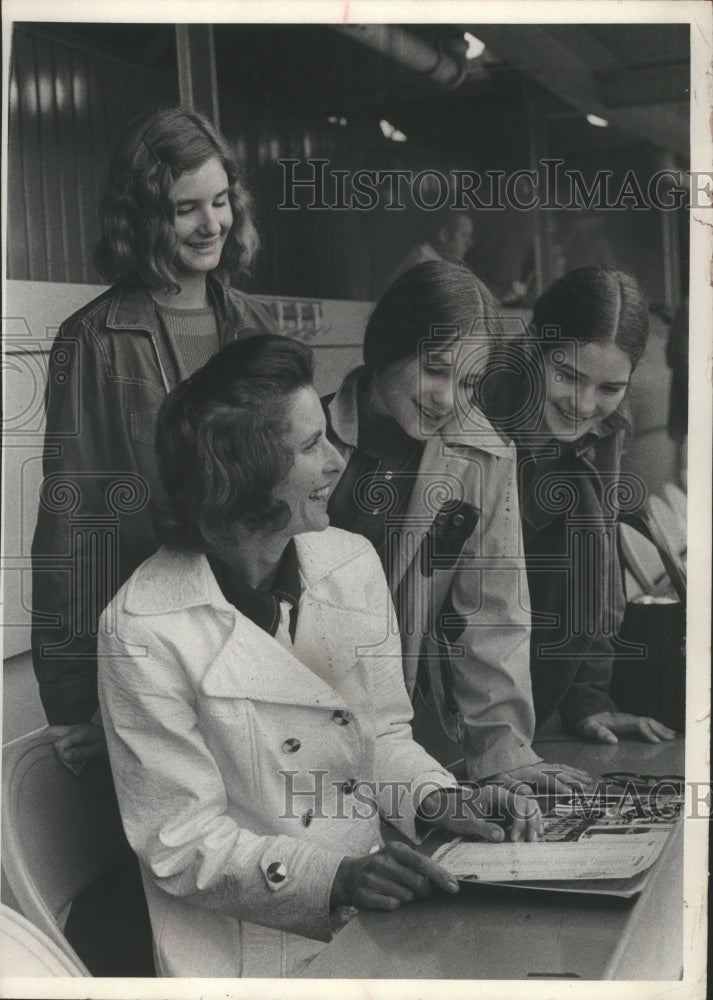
619,420
134,309
475,432
616,424
174,581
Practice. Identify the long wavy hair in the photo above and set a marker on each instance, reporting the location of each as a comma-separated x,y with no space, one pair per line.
220,444
138,244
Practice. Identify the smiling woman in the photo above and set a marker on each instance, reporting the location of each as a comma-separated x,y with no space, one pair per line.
316,466
202,222
584,384
255,742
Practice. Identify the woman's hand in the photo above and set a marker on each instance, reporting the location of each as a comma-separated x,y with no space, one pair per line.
476,812
544,778
385,880
606,727
77,744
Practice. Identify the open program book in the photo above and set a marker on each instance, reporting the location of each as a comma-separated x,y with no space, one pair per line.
599,844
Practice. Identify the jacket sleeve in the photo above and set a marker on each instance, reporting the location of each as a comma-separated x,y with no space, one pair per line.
90,492
588,694
405,773
489,605
173,799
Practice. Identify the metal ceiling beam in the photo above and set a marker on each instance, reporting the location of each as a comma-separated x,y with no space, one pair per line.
545,59
645,84
529,48
664,124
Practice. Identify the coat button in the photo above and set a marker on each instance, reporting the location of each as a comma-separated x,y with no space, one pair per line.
292,745
388,475
458,521
307,818
276,872
342,718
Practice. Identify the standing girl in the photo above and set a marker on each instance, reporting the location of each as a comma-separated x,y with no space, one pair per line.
176,222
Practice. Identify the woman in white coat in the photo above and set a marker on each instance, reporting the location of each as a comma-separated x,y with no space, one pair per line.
255,743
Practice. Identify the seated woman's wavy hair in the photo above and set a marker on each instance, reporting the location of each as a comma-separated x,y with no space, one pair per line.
220,443
137,245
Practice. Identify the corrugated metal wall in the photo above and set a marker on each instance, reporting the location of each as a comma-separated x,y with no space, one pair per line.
68,106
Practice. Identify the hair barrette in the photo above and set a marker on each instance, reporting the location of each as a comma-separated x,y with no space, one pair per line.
151,150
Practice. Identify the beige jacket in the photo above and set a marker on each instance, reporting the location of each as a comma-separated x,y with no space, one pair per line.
481,678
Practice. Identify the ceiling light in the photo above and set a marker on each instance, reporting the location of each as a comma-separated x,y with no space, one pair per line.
390,132
475,46
596,120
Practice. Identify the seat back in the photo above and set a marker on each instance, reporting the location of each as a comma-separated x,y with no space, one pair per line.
669,530
642,560
677,501
26,951
59,832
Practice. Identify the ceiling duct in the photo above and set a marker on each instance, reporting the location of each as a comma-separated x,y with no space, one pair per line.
408,50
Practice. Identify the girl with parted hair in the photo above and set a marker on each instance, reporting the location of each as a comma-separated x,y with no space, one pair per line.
176,224
561,394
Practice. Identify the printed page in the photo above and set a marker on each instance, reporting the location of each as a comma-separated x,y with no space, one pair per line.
594,858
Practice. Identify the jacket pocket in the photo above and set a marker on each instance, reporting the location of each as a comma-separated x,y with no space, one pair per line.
142,425
228,729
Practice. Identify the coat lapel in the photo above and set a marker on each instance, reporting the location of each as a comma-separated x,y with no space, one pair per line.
249,663
254,665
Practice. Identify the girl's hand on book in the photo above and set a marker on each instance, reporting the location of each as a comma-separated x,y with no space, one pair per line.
544,778
488,812
606,727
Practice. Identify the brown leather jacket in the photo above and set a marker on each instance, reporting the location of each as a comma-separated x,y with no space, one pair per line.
110,368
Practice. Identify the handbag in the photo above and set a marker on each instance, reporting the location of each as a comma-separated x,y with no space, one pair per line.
652,680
